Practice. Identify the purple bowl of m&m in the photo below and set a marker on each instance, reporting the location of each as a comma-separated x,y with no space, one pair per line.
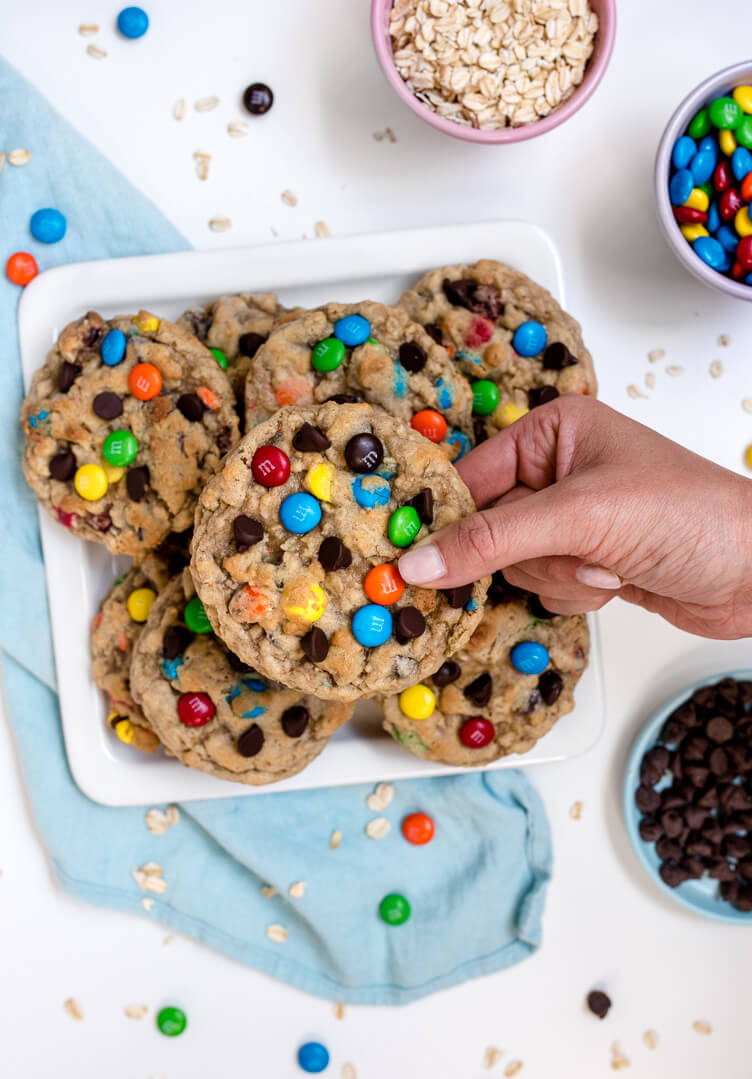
704,181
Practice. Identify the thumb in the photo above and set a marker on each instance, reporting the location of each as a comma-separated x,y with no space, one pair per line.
543,523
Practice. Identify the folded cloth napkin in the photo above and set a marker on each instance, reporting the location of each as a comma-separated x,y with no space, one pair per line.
477,891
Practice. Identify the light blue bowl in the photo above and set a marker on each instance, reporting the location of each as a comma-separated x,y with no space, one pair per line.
700,896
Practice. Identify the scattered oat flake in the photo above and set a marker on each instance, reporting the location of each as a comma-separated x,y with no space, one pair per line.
202,159
618,1059
2,161
19,157
378,135
650,380
73,1008
173,815
724,340
348,1071
88,28
656,354
95,51
390,134
702,1026
268,891
178,109
147,903
513,1067
156,822
716,369
378,828
650,1038
277,933
237,129
635,392
336,839
747,404
220,223
322,229
135,1011
206,104
575,810
149,878
289,197
380,798
674,369
297,890
339,1011
492,1056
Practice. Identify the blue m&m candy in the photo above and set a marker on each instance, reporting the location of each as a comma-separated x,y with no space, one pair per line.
313,1057
680,188
352,330
702,165
460,442
529,339
711,252
133,22
714,217
300,513
47,225
741,162
372,625
112,348
529,657
727,238
684,150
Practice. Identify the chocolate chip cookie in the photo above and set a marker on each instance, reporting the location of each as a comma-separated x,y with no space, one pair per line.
296,542
124,423
363,352
214,713
502,328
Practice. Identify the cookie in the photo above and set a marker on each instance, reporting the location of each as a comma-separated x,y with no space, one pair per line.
115,629
296,542
123,425
214,713
365,352
503,328
479,705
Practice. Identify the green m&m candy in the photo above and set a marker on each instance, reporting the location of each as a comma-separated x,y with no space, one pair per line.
171,1021
725,113
743,133
700,124
394,909
328,354
708,188
120,448
220,357
195,617
485,397
404,526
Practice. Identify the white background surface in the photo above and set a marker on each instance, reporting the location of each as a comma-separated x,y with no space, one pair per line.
589,184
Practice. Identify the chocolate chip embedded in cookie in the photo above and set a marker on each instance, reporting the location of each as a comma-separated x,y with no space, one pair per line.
214,713
366,352
123,425
334,517
506,332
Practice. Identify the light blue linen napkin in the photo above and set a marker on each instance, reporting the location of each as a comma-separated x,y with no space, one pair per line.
477,891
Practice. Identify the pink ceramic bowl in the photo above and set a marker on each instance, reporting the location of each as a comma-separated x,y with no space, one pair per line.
604,44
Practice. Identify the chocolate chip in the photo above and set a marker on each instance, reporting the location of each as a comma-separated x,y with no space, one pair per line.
334,555
91,336
537,609
175,641
224,439
721,870
694,867
719,729
699,848
191,406
295,720
599,1003
647,800
695,747
695,816
550,685
449,671
364,453
62,466
541,395
654,763
650,829
250,343
459,293
479,691
719,762
486,300
744,899
412,357
709,798
501,591
704,696
712,831
247,531
672,731
557,356
410,623
668,849
730,890
136,482
672,874
251,741
258,98
671,798
735,846
310,439
745,868
67,375
315,645
433,332
458,597
343,399
423,505
107,405
697,774
480,434
673,823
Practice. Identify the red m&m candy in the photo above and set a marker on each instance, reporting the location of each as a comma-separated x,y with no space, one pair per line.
744,252
195,709
270,466
21,268
479,332
721,176
430,424
418,828
476,733
729,204
688,215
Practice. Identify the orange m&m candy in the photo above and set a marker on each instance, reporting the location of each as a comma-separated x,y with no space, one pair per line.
383,584
418,828
430,424
145,381
746,188
21,268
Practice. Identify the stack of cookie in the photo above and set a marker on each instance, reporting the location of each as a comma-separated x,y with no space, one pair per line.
264,600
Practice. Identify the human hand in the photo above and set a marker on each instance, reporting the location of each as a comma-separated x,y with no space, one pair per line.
579,504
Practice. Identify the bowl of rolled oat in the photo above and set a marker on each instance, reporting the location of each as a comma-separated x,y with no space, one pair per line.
494,71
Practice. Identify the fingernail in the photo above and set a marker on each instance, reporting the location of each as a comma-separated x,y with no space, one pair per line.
423,564
598,577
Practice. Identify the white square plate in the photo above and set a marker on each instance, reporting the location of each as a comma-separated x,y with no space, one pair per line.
79,574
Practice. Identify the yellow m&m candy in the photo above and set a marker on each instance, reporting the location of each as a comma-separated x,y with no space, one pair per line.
748,457
113,472
148,323
742,95
727,142
417,702
139,603
698,199
123,729
307,603
90,482
693,232
509,412
742,222
319,479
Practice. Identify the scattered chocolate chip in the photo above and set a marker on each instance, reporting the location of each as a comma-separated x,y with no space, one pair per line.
557,356
719,729
67,375
486,300
650,829
423,505
247,531
251,741
458,597
550,685
63,466
449,671
673,822
599,1003
343,399
364,453
412,357
310,439
433,332
672,874
136,482
107,405
191,406
459,293
334,555
541,395
224,439
258,98
668,849
647,800
175,641
250,343
479,691
295,720
315,645
409,624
